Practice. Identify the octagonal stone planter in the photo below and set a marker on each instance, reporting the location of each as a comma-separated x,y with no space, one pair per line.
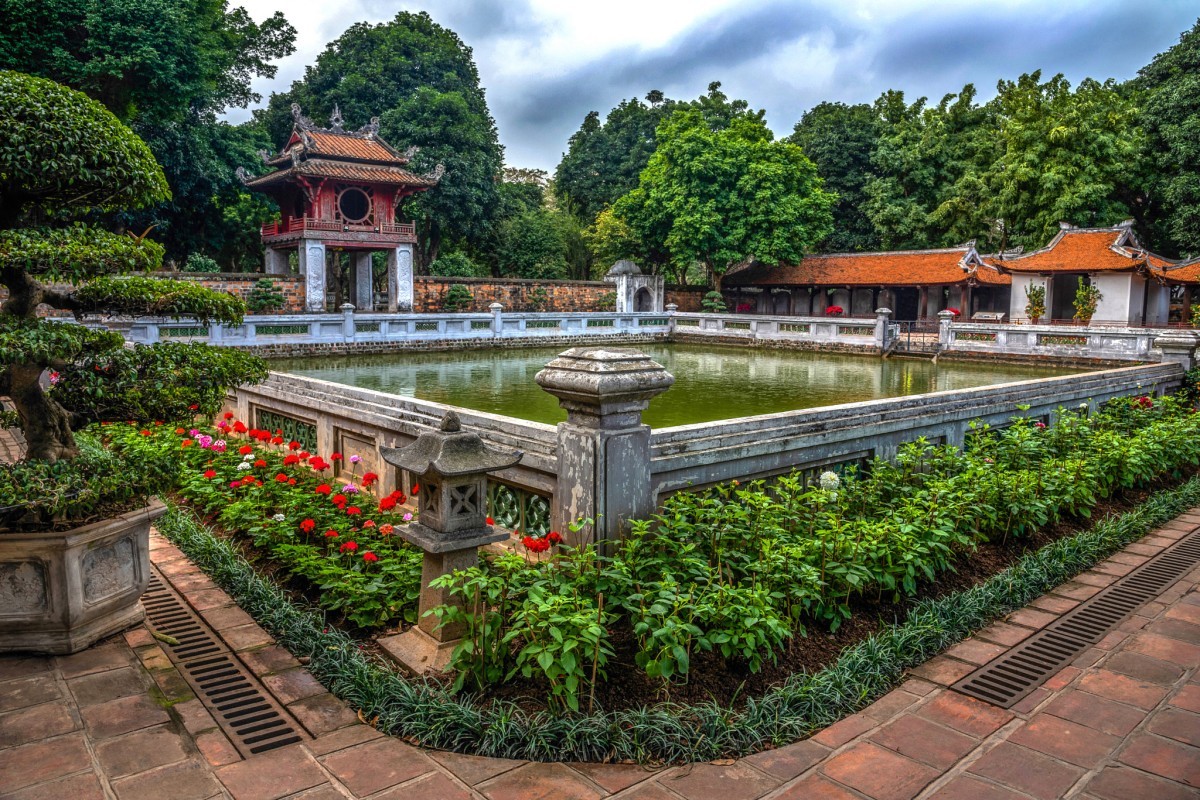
60,592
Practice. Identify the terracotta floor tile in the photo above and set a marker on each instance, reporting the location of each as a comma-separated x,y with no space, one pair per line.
879,772
377,765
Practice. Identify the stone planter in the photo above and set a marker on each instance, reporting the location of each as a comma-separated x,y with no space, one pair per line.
60,592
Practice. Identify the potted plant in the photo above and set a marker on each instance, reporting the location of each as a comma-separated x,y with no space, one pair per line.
1087,298
833,311
1035,302
75,514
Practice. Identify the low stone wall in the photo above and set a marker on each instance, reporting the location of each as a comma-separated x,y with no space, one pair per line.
299,350
689,337
240,284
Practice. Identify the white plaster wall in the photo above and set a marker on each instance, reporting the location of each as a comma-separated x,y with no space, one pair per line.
1016,308
1120,300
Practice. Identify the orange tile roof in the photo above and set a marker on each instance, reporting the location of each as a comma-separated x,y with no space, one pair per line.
1179,272
902,268
1082,250
345,145
363,173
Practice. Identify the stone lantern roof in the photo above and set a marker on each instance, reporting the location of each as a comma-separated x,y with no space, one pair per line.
450,452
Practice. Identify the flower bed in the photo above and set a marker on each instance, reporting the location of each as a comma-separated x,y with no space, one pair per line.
431,716
730,576
333,535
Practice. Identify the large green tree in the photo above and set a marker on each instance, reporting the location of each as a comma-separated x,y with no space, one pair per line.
421,80
65,161
723,196
166,68
1065,156
1171,119
840,140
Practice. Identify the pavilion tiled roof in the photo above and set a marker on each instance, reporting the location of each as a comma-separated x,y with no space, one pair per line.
1085,250
1183,272
898,268
339,170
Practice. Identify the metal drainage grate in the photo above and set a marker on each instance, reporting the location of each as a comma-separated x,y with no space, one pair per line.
1010,677
250,717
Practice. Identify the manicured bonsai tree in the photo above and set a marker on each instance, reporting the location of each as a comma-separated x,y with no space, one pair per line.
66,165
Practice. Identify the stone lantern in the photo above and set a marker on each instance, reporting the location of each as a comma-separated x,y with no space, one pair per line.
453,465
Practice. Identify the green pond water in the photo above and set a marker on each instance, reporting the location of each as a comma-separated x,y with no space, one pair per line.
711,383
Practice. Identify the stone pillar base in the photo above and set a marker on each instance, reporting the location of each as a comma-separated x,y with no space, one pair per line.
418,652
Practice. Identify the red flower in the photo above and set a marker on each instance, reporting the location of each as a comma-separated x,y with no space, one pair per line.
180,431
293,445
416,488
291,481
281,478
290,459
369,478
239,427
308,525
318,464
369,523
210,474
331,534
304,454
338,499
260,463
186,443
277,440
386,529
354,511
245,449
336,457
324,488
146,433
228,415
554,537
234,484
535,545
387,504
490,521
348,547
370,557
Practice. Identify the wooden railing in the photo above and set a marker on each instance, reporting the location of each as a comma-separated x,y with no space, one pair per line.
298,224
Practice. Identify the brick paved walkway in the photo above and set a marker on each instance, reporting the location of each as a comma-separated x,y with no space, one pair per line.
1122,722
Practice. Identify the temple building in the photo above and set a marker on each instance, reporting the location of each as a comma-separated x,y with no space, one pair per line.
338,191
914,284
1134,284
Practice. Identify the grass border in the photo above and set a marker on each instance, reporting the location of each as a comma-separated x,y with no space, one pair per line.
425,713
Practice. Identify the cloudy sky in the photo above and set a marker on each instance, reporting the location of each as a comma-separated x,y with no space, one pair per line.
546,63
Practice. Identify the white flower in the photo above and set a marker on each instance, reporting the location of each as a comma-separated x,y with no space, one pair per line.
243,466
248,457
279,517
830,481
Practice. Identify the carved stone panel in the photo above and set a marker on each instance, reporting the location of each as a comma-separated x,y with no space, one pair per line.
23,588
108,571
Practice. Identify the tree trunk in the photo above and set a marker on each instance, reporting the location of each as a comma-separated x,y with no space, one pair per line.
46,424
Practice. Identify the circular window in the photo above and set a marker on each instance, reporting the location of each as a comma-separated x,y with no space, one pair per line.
354,205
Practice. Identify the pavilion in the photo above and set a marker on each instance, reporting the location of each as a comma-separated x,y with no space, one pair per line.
337,191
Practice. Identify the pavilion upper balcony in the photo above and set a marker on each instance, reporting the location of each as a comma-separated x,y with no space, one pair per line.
335,231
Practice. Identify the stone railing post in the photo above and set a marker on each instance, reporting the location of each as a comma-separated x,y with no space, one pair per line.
671,309
882,315
1178,347
603,447
348,322
216,333
497,318
945,320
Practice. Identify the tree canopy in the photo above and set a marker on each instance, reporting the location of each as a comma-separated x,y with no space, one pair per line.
64,159
421,80
1170,117
723,196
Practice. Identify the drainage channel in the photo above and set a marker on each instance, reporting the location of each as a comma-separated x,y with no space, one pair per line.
246,712
1009,678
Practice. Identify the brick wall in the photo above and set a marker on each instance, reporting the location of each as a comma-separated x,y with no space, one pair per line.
516,295
240,284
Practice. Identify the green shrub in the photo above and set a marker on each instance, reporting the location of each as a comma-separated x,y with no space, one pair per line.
198,262
456,298
265,296
714,303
